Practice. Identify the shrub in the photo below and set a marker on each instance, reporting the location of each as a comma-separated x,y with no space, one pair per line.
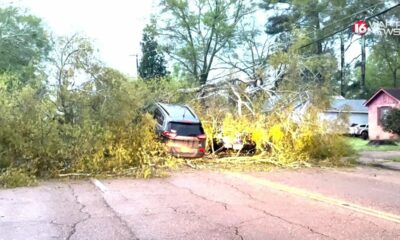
279,136
107,131
391,122
134,147
305,140
12,178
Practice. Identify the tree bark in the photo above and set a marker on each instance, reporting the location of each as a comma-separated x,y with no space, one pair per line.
342,70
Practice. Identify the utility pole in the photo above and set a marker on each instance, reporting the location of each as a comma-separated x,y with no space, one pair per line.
137,63
363,60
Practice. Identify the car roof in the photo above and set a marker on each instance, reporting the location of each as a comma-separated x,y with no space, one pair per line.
179,113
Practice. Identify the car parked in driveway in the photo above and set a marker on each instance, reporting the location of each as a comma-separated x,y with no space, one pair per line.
180,129
359,130
353,129
363,131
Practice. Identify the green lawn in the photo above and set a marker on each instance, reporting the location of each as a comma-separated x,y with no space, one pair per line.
359,144
396,159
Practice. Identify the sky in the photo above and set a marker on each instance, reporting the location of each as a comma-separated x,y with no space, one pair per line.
115,26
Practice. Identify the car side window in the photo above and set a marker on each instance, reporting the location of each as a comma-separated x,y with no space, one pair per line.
158,116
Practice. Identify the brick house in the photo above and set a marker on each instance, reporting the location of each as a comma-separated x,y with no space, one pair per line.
378,106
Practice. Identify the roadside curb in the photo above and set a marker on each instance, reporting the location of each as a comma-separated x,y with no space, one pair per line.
99,185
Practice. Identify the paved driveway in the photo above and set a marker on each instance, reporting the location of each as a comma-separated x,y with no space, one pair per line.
361,203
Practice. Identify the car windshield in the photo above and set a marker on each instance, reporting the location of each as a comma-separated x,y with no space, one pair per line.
186,129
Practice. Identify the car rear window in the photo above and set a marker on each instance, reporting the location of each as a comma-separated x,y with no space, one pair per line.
186,129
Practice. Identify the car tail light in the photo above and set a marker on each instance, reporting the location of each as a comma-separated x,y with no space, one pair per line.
202,150
169,134
201,136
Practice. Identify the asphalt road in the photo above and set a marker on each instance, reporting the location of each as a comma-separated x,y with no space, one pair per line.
359,203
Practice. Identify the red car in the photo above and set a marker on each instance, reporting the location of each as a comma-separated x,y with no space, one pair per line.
180,129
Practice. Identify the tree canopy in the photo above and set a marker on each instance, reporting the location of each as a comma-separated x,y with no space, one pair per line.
391,122
152,63
24,43
193,33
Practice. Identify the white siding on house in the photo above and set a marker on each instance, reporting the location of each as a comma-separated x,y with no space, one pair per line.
353,109
329,116
359,118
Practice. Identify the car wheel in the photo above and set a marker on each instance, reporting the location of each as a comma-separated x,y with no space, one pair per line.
364,135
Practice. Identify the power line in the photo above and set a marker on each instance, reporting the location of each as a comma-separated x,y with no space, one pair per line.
349,26
354,14
320,39
11,2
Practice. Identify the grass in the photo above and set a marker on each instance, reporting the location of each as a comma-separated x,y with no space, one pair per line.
396,159
359,144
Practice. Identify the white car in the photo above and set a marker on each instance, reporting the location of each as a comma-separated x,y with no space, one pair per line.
359,130
363,131
353,129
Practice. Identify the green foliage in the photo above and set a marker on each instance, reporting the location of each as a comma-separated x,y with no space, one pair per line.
278,136
359,144
322,22
391,122
309,139
108,133
303,71
12,178
152,63
24,43
383,65
195,33
396,159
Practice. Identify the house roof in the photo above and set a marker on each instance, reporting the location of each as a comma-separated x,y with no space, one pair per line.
393,92
348,105
338,104
295,99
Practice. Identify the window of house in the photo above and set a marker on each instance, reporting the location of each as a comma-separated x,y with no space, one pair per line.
382,113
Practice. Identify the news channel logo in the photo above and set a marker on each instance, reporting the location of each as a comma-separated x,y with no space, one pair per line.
385,28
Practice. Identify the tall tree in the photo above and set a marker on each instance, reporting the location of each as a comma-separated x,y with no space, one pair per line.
383,65
75,63
152,63
251,52
387,49
24,43
195,32
323,20
287,15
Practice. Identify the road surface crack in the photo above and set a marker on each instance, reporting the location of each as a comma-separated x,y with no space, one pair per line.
267,213
82,206
238,234
290,222
234,187
225,205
